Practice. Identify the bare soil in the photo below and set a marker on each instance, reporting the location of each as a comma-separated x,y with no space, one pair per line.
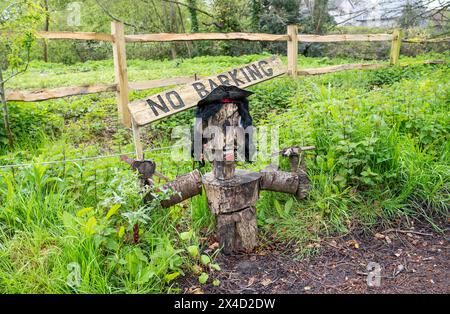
413,259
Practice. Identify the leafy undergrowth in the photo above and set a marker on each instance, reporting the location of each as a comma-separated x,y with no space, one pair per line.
382,151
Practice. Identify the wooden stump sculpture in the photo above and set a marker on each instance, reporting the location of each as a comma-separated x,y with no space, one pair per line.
231,193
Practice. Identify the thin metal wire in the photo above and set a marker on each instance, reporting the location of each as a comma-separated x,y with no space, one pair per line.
82,158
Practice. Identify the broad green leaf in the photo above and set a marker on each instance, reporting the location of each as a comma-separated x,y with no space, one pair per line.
278,208
145,275
193,250
89,227
215,266
84,211
186,235
203,278
216,282
113,210
171,276
121,232
288,206
205,259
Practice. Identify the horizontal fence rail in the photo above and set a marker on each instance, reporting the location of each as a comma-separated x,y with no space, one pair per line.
163,37
167,37
76,35
344,37
426,40
47,94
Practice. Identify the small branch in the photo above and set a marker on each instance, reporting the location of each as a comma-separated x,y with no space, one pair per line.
115,18
408,231
190,7
18,72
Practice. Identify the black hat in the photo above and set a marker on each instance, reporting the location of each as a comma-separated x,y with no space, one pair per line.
222,92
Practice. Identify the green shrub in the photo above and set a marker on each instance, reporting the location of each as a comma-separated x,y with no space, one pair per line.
31,123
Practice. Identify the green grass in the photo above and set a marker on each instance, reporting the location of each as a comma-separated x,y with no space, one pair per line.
382,140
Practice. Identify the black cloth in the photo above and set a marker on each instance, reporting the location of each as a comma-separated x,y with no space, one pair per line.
211,104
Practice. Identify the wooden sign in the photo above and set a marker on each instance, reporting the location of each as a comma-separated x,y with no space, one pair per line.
172,101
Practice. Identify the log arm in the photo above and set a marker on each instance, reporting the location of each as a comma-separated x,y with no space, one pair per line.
186,186
294,182
286,182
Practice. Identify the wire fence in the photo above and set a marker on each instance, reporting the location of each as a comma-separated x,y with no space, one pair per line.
84,158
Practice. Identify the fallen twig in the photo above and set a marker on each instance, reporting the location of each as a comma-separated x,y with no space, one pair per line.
408,231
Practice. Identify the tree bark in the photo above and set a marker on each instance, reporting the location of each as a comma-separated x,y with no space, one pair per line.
46,28
227,196
286,182
237,231
187,186
8,131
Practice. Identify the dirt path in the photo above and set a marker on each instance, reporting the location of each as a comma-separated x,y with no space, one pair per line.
411,260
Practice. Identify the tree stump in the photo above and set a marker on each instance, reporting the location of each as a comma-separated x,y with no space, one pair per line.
237,231
232,201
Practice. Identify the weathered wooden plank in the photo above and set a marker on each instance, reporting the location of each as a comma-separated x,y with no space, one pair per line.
161,82
426,40
161,37
341,67
170,102
344,37
46,94
292,50
395,46
76,36
121,72
164,37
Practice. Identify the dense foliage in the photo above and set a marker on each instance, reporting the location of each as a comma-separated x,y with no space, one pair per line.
382,141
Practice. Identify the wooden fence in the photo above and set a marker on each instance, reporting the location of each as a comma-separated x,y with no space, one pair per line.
122,86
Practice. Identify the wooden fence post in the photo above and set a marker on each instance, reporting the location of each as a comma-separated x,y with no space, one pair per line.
120,70
292,49
395,46
137,142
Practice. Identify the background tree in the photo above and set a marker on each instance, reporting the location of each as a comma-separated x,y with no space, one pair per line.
256,9
19,21
193,15
411,14
274,18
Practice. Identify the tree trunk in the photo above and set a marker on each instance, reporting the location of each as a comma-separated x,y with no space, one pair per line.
173,29
188,43
237,231
46,28
8,131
